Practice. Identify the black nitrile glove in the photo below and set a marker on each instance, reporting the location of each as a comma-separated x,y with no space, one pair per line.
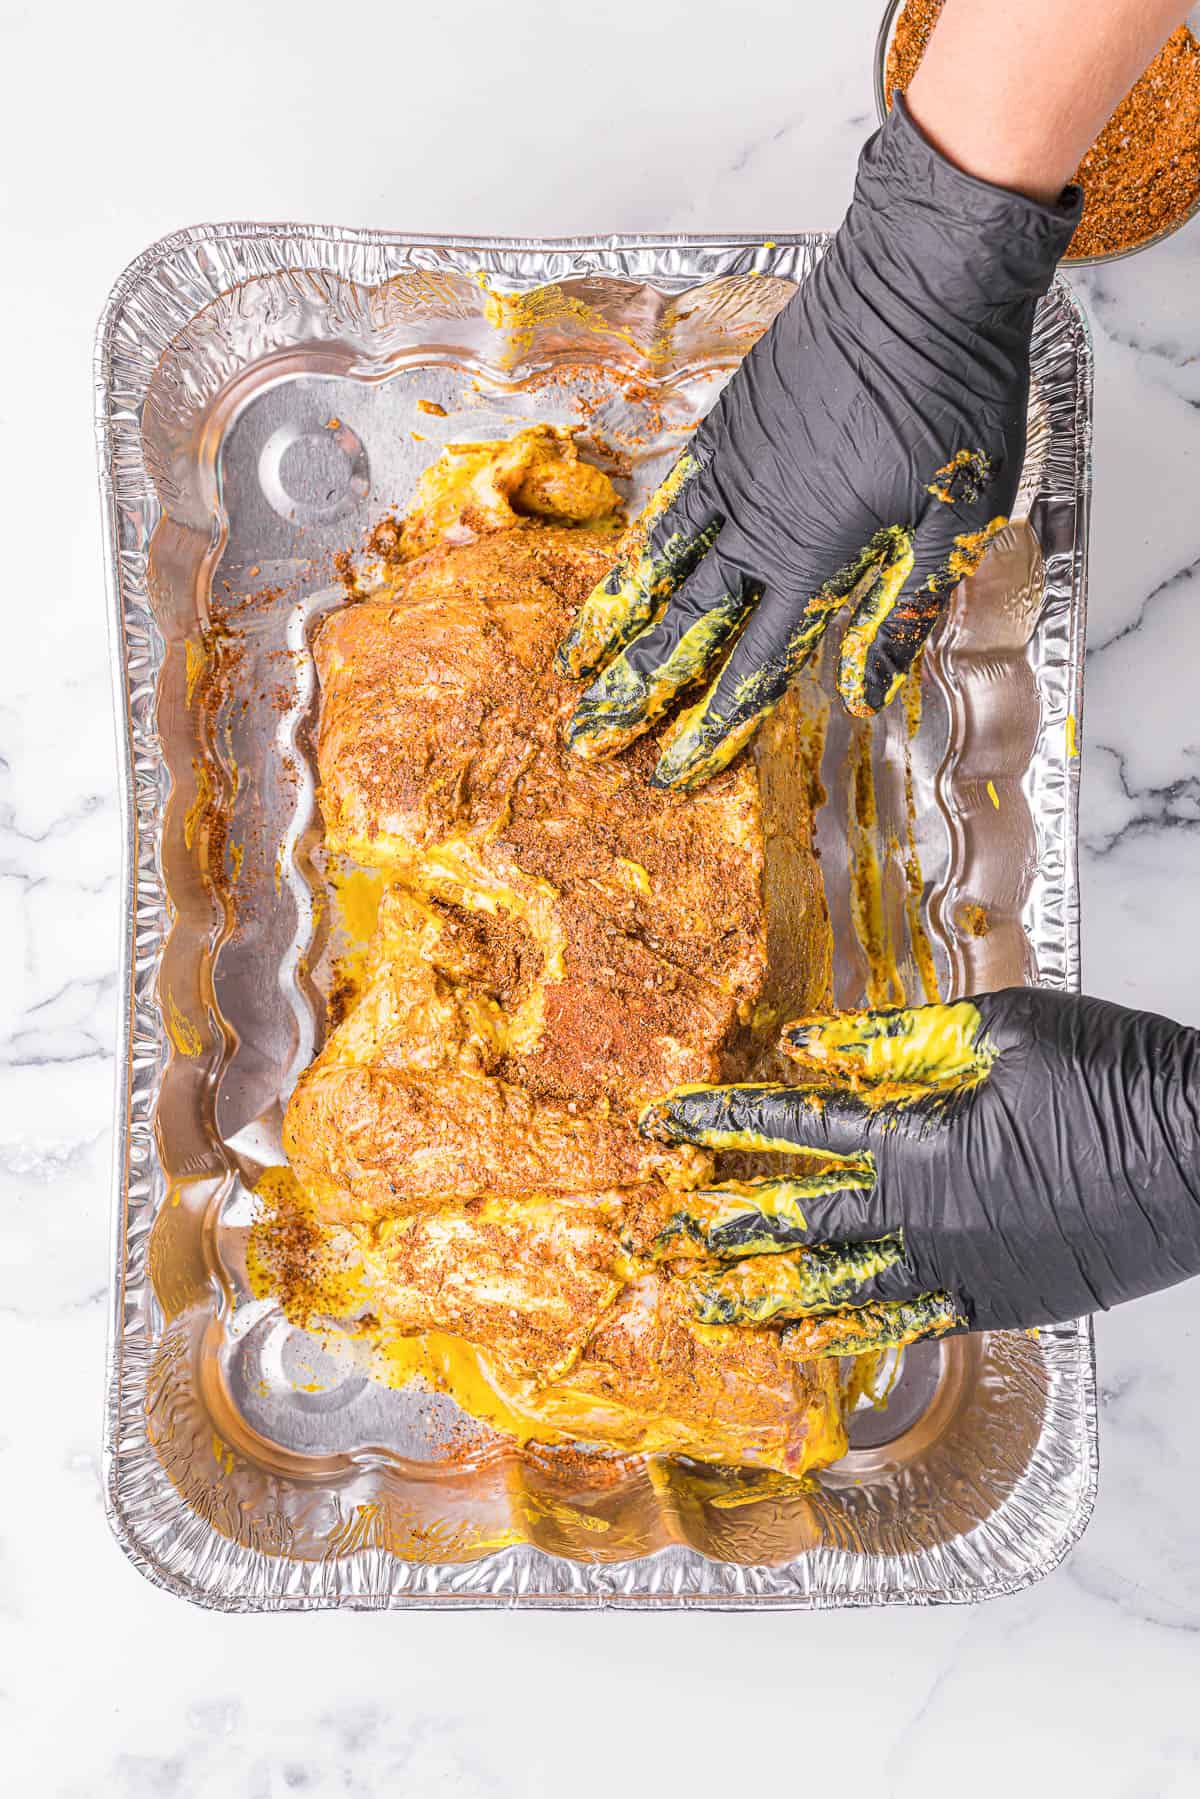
864,453
1013,1160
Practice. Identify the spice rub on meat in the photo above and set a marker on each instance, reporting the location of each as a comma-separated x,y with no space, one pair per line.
441,752
543,1317
639,914
558,942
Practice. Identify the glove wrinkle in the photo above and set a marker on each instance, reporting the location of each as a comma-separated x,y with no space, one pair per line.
903,177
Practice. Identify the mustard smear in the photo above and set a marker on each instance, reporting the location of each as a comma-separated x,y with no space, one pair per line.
884,984
180,1029
200,803
1072,737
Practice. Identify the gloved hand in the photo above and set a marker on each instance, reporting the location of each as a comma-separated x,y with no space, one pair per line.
1017,1159
864,453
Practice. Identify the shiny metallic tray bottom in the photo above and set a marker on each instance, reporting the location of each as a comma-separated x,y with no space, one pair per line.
257,393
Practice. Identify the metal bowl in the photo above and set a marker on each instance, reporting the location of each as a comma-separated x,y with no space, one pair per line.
882,46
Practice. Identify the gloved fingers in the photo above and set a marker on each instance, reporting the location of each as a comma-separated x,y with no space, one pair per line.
799,1283
766,1216
830,1123
893,619
911,1051
775,645
668,539
638,686
887,1324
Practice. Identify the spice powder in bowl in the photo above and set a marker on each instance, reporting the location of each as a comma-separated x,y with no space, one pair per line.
1141,177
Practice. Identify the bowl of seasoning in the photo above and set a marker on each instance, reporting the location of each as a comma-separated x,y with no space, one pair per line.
1141,177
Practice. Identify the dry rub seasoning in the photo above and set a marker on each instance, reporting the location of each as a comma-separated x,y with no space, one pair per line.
1142,175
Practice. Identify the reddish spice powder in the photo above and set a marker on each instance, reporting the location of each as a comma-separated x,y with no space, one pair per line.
1142,175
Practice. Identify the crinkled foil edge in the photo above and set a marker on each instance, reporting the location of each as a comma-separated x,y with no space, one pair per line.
152,303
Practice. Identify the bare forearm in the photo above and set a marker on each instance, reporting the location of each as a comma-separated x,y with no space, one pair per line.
1016,91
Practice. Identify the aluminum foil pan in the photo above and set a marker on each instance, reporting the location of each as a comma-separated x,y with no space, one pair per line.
257,392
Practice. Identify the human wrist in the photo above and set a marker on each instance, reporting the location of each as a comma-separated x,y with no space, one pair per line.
985,135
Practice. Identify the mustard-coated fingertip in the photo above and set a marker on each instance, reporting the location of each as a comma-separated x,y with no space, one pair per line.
575,659
611,713
670,773
686,1115
855,704
806,1034
829,1037
654,1123
679,781
612,611
580,740
687,761
857,692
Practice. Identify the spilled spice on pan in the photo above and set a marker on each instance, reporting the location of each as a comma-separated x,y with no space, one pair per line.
973,919
1142,175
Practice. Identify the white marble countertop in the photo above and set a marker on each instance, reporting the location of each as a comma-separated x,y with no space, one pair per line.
642,115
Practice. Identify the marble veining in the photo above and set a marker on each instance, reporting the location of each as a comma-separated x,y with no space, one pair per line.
678,117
